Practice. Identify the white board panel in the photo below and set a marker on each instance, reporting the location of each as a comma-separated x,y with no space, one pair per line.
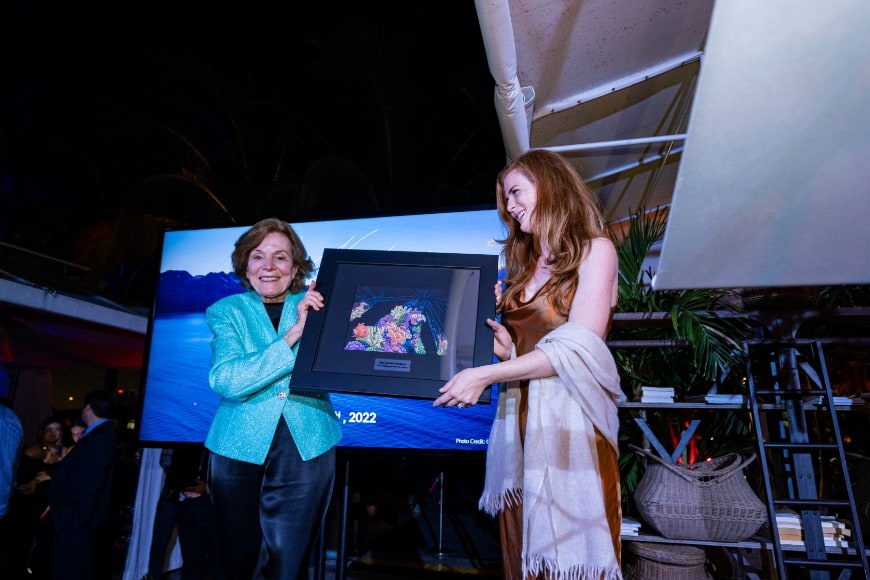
774,186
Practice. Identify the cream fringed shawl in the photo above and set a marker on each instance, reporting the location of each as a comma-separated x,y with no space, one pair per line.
565,527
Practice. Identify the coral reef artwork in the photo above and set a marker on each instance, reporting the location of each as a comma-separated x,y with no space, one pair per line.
401,329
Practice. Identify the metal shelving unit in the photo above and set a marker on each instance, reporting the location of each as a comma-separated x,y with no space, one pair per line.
797,423
792,483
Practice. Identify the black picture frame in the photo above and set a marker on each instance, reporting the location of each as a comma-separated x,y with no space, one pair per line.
397,323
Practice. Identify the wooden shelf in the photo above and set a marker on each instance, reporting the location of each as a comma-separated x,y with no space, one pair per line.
668,406
755,541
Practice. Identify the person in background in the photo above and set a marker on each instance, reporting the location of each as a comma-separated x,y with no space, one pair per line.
552,472
75,432
30,546
11,435
272,466
81,490
184,503
48,448
165,513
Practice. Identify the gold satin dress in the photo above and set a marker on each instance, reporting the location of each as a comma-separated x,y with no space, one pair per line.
528,324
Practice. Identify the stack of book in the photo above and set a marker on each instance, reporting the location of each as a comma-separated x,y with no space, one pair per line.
838,401
848,401
724,399
791,537
656,394
630,526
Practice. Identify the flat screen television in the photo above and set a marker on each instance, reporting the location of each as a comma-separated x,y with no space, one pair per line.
195,271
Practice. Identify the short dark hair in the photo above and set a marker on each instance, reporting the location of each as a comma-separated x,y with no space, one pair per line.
101,403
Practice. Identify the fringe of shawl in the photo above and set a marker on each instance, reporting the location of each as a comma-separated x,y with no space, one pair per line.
493,504
503,485
539,565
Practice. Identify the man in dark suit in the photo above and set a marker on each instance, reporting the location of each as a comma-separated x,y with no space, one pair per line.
80,491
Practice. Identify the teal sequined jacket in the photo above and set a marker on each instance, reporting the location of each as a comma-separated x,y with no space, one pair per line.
250,370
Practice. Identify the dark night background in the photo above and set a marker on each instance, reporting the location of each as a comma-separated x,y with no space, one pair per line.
121,120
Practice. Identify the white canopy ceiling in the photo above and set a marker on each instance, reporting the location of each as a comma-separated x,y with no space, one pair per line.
608,83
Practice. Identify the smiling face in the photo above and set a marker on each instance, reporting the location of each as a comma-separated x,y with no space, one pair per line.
521,197
270,268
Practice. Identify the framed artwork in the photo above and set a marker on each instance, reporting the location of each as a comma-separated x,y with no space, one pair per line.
397,323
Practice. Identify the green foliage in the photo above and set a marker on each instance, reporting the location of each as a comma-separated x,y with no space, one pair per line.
702,318
843,296
699,334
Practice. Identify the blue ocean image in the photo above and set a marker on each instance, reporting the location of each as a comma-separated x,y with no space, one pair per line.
178,404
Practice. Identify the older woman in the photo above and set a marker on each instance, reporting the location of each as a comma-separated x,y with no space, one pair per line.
272,465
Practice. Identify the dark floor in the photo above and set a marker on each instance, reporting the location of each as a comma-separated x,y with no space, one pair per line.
427,543
399,522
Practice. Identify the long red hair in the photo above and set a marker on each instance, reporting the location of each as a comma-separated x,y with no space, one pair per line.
567,216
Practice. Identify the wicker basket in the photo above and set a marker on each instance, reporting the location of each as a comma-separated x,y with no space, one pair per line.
704,501
649,561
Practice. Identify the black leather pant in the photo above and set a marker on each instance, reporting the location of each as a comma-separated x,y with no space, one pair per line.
268,516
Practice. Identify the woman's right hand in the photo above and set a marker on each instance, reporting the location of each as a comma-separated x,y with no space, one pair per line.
503,344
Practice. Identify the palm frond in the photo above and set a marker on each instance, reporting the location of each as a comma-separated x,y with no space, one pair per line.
702,318
714,340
